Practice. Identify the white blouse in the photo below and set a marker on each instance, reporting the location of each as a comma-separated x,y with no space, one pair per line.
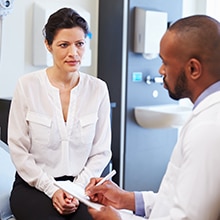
43,146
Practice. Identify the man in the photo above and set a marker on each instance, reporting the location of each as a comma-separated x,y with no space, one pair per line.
190,189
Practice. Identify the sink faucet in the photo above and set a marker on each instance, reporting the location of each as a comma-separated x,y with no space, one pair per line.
157,79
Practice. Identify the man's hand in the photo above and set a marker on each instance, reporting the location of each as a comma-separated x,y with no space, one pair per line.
106,213
110,194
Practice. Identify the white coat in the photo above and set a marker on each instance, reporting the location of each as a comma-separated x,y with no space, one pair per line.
190,189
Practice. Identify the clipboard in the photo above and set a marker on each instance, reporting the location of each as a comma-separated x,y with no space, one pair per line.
79,192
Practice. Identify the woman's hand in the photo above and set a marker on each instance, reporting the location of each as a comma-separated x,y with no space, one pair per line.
106,213
64,203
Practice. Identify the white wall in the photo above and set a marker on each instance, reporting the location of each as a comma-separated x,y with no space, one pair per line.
191,7
16,47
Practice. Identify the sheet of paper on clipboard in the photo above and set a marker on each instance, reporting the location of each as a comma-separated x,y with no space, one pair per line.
78,192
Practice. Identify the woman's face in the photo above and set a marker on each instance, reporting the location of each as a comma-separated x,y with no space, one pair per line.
67,49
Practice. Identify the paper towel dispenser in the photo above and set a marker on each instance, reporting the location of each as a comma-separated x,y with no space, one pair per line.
149,27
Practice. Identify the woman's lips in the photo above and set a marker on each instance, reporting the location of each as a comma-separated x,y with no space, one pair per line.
73,62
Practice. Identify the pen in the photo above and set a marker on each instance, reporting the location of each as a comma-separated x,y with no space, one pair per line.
108,177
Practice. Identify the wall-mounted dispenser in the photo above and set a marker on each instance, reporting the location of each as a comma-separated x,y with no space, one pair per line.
149,27
42,10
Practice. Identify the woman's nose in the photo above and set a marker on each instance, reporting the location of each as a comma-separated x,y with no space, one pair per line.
73,50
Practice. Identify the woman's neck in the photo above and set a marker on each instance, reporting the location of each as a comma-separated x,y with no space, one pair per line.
63,80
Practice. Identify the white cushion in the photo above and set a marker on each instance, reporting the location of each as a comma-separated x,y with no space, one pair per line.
7,173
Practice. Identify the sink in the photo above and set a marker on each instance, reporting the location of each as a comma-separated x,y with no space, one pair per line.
162,116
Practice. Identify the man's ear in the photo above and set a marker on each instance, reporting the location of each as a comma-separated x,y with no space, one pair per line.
47,45
194,68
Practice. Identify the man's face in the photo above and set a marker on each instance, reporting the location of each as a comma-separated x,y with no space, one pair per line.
179,88
172,68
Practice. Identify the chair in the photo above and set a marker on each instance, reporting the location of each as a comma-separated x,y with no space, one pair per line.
7,172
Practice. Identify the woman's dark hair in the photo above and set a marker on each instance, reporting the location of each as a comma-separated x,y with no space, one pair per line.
63,18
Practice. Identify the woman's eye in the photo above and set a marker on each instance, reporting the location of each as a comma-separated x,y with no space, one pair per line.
80,44
64,45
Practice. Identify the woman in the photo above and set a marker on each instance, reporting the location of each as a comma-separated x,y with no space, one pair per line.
59,126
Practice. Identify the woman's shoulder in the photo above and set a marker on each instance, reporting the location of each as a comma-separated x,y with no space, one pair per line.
33,79
38,74
87,78
32,74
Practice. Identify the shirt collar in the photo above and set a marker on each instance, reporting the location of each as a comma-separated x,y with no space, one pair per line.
211,89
